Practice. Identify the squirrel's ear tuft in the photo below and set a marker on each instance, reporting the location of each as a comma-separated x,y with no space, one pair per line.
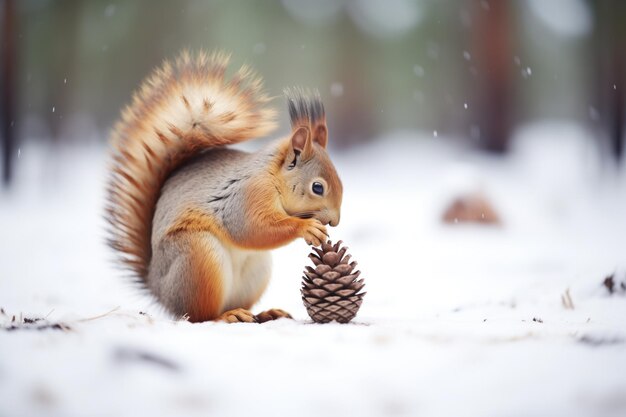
305,106
306,109
301,141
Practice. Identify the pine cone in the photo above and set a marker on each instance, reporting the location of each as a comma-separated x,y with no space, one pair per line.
331,290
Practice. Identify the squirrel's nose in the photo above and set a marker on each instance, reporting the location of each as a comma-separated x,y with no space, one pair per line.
334,218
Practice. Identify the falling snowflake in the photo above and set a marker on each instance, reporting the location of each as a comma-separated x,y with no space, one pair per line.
336,89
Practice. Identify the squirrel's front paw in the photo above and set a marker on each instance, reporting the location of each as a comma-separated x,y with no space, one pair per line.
314,232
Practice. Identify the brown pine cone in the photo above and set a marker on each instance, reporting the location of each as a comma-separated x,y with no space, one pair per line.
330,291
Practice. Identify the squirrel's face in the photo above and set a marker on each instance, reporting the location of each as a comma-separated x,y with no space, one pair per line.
312,188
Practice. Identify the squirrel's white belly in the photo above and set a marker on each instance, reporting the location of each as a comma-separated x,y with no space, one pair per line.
246,275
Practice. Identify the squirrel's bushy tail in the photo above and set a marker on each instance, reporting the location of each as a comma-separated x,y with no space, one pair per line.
183,107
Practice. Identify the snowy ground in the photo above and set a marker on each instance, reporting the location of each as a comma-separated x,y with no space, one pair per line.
458,320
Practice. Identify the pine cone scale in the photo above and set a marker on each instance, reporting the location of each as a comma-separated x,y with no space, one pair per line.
347,279
344,269
331,275
322,269
333,287
330,258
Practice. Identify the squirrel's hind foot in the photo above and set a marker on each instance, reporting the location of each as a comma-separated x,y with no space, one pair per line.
238,315
272,314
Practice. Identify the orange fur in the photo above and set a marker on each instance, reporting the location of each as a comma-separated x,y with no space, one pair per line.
172,117
206,271
195,220
206,297
270,228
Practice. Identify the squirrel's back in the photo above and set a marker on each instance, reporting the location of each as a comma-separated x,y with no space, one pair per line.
204,182
183,108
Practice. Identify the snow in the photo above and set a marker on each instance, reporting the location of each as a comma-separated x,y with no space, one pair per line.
458,319
336,89
418,70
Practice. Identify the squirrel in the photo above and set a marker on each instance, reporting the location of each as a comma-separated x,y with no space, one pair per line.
193,220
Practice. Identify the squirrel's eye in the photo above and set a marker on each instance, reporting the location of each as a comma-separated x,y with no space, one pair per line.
318,188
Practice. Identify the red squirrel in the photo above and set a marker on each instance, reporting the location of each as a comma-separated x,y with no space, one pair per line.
194,220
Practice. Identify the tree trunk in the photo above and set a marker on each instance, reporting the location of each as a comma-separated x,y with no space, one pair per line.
7,101
610,84
492,57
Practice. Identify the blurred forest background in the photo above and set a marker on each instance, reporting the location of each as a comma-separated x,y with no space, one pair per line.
473,70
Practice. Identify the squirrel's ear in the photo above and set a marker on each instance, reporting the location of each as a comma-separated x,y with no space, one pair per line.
301,140
321,135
